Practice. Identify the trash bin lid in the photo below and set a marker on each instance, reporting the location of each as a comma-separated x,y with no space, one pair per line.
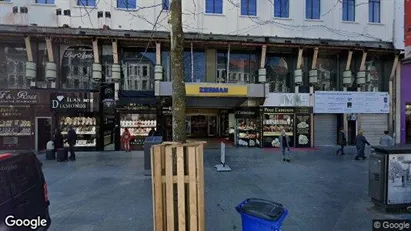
260,208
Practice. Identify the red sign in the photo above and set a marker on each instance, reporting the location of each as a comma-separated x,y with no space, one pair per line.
407,23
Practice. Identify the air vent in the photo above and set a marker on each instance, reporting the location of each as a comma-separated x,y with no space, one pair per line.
100,14
108,14
58,12
15,9
24,10
67,12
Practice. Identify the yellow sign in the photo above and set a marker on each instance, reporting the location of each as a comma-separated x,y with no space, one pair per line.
216,90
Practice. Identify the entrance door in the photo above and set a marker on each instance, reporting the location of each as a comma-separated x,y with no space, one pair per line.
43,132
212,125
352,132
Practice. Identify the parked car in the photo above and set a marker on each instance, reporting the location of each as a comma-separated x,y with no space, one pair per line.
24,200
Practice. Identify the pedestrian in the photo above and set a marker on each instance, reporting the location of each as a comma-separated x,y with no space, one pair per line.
58,139
360,142
342,141
125,139
71,140
386,140
285,146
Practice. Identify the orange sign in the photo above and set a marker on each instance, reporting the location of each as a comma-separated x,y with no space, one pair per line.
407,23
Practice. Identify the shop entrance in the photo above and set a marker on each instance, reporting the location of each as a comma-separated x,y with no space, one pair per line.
201,126
43,132
352,132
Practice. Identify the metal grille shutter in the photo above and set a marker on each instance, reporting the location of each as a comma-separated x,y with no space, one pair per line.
325,129
374,126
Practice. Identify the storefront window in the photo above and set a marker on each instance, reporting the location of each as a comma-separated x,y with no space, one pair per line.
243,68
12,67
278,73
77,68
194,71
327,73
138,71
373,70
166,63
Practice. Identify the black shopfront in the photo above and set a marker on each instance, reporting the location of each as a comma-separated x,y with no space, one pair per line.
138,112
79,110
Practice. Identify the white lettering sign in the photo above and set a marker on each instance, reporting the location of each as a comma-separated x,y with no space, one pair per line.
78,55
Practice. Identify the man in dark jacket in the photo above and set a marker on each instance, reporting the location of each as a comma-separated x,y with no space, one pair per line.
342,141
71,140
360,143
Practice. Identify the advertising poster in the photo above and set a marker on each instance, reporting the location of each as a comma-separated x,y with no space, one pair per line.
399,179
302,130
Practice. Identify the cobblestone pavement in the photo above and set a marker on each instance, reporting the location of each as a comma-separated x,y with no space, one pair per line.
108,190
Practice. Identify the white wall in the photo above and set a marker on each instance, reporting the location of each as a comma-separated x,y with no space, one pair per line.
399,24
329,27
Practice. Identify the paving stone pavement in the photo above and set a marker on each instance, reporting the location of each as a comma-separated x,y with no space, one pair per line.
108,190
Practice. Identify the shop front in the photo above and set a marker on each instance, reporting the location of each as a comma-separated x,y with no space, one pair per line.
367,111
107,117
296,121
138,112
79,110
247,127
25,120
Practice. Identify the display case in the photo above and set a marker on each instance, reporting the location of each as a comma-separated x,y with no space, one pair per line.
15,128
273,123
85,127
139,126
247,132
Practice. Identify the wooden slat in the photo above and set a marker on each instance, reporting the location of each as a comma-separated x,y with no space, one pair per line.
29,51
192,154
180,189
363,59
315,57
349,59
157,186
200,188
300,58
95,51
115,51
169,188
49,47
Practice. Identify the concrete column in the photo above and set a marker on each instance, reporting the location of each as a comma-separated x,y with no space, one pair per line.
262,72
361,78
391,95
313,80
298,73
347,81
115,69
97,69
50,66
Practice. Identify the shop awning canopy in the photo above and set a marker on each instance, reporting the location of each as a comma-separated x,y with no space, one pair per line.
136,97
215,102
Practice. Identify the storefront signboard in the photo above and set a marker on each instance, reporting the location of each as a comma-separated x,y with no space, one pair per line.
11,97
67,102
216,90
245,112
338,102
287,100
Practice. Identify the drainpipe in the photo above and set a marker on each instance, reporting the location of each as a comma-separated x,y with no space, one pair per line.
313,81
391,95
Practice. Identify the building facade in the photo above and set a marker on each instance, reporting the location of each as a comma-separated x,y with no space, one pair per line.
236,55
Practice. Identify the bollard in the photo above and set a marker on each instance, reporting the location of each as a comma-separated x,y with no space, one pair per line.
222,167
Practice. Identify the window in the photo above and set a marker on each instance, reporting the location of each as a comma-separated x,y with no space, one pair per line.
86,2
166,4
249,7
281,9
45,1
348,10
374,11
243,68
127,4
312,9
214,6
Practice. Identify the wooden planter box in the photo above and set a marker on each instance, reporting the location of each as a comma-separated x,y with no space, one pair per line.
178,193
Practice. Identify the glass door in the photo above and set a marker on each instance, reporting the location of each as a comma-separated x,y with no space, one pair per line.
188,125
212,125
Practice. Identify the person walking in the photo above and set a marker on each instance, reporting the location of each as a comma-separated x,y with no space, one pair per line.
342,141
360,142
58,139
71,140
125,138
285,146
386,140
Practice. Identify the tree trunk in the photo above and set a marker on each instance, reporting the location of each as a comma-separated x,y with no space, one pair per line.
177,71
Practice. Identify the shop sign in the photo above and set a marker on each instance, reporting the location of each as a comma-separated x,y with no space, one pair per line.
137,107
18,97
166,111
246,113
216,90
338,102
69,102
13,111
287,100
288,110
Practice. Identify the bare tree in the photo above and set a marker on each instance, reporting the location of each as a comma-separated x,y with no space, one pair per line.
177,71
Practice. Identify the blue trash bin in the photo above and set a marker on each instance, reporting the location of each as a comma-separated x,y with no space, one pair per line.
261,215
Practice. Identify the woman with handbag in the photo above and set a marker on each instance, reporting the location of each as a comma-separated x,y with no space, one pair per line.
125,139
285,145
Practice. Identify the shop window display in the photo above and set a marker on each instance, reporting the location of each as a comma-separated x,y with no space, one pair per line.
139,125
85,128
247,133
15,128
272,126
